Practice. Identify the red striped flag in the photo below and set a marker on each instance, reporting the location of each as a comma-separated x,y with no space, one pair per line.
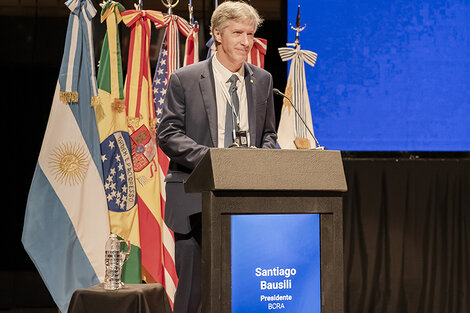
159,83
168,61
174,25
191,50
157,243
258,51
256,55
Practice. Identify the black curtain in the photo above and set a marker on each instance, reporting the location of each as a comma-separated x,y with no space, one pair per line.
406,235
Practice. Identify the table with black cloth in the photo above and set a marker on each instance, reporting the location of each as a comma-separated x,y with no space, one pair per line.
132,298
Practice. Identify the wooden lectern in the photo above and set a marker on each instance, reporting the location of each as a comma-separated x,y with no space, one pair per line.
262,181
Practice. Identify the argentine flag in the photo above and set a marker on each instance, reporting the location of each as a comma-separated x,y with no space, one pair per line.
66,222
292,133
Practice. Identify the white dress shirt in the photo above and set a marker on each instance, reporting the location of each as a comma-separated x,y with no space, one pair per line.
222,85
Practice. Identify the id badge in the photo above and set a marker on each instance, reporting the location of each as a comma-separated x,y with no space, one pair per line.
241,138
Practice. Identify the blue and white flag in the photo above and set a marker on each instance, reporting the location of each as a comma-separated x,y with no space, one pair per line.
292,133
78,51
66,222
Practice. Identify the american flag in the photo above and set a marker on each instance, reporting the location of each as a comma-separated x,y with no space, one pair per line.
160,80
159,84
292,133
168,61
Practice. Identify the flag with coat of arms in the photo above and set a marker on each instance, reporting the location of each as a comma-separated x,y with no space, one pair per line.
66,221
155,254
116,156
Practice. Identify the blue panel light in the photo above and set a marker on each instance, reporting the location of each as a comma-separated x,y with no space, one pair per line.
390,75
275,263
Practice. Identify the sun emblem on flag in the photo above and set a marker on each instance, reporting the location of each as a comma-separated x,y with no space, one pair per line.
69,163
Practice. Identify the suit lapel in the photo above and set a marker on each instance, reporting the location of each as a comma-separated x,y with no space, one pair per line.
250,84
207,86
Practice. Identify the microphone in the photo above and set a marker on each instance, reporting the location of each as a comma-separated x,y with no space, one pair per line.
279,93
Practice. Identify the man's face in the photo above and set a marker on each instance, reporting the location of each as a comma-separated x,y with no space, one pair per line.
235,41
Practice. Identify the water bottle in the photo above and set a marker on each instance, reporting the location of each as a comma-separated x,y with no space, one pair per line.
112,278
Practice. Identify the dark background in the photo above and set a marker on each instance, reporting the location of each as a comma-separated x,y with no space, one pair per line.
406,214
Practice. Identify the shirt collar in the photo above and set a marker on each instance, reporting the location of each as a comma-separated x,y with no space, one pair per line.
224,73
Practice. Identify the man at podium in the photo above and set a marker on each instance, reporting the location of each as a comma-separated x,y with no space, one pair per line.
220,102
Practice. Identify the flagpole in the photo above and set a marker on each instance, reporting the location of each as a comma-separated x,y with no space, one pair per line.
292,127
297,29
191,16
170,5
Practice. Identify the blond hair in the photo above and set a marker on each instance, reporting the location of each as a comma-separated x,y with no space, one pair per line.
234,10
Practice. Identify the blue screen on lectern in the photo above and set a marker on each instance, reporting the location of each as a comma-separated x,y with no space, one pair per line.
390,75
275,263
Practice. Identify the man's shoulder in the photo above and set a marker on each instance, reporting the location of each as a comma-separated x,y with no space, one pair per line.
257,71
192,70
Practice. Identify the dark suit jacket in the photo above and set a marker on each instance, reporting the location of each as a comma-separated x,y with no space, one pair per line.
188,128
